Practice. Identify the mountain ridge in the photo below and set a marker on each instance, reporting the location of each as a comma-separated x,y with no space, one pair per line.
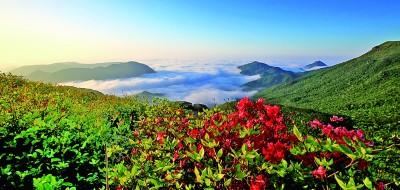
54,67
101,71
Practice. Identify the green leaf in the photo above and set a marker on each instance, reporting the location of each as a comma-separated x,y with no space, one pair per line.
346,150
220,153
206,137
340,182
297,133
240,175
218,177
228,182
368,183
207,182
198,177
344,186
201,153
244,148
55,159
347,140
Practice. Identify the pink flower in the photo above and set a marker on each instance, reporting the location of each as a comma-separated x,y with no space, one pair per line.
360,134
369,143
336,119
319,173
315,124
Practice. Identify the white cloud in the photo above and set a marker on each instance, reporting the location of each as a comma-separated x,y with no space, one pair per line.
197,83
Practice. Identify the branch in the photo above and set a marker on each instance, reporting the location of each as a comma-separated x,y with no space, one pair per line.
389,147
348,166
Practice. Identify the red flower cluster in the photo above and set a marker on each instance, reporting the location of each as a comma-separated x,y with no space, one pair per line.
319,173
339,132
274,140
258,183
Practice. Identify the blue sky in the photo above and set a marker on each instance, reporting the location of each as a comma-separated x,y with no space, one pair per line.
47,31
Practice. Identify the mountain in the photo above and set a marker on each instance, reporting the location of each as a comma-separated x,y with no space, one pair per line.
146,95
269,75
315,65
51,68
366,88
81,72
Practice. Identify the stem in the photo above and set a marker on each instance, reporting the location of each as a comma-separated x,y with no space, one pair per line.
389,147
107,187
348,166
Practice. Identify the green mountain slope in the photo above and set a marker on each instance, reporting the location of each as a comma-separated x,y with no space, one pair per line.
269,75
366,88
113,71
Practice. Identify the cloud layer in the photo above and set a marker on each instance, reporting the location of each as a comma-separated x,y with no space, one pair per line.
197,83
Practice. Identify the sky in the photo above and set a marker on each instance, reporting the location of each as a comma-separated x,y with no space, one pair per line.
90,31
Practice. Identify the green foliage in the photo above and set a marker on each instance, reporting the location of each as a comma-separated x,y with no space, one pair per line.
55,137
56,131
364,90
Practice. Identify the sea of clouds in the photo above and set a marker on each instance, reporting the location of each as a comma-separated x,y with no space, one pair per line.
205,82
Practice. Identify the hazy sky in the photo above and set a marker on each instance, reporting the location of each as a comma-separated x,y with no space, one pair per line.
48,31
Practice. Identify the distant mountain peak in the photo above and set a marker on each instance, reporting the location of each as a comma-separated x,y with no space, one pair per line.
269,75
315,65
259,68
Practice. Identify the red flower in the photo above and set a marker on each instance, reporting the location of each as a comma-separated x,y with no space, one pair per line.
133,151
260,103
243,103
275,152
193,133
327,130
180,145
362,164
120,187
272,111
176,156
319,173
160,137
258,183
381,186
